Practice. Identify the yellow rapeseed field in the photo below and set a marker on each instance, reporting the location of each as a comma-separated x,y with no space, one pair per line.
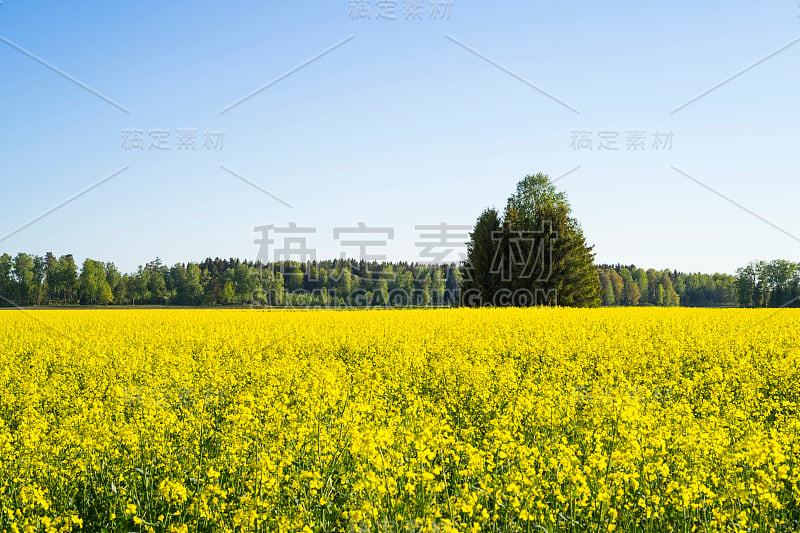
416,420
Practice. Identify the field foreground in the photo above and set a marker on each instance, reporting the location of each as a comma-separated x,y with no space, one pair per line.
428,420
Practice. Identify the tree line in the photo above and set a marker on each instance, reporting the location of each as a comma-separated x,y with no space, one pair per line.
30,280
631,286
769,284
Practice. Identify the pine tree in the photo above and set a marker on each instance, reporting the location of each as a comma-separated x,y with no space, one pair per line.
478,277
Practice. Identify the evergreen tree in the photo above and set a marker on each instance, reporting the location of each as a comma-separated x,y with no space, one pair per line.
541,249
479,278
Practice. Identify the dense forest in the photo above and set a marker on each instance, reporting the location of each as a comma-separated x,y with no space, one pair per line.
759,284
630,286
29,280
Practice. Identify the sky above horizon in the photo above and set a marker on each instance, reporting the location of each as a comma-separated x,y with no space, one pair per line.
173,130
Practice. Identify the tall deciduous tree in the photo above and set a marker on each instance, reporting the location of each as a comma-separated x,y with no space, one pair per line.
670,296
93,283
617,285
68,278
605,287
640,277
51,276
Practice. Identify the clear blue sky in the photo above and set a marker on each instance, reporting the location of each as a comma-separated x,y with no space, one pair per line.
399,126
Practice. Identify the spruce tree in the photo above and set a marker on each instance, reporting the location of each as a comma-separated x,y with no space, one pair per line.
479,281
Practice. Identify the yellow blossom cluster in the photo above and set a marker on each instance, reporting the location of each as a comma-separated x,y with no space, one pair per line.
400,420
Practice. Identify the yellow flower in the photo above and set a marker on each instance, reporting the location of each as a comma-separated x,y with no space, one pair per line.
443,420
